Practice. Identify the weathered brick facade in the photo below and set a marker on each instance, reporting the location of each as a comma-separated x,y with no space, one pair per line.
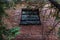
27,32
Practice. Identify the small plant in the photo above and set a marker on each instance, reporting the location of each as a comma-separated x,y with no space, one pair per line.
11,33
8,33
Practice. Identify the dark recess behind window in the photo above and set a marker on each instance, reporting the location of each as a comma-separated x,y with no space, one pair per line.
30,17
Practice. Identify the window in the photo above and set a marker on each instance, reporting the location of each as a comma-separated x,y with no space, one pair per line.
30,16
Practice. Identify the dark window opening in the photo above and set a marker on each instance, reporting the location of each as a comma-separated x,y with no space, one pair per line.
30,17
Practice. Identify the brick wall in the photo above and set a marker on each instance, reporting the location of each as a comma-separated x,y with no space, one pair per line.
27,32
